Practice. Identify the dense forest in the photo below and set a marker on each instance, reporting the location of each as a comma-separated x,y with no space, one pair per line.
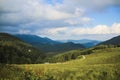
14,50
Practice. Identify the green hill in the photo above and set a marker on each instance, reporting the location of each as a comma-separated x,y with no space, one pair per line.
14,50
102,64
113,41
68,55
56,48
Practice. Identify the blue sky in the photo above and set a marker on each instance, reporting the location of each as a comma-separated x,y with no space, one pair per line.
53,1
61,19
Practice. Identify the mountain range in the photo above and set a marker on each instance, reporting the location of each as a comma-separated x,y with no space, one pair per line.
29,49
48,45
32,39
86,42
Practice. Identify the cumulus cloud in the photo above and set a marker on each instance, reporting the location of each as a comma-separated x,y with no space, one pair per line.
57,30
75,32
15,12
99,29
46,17
78,21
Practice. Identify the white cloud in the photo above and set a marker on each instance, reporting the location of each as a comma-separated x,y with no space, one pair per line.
53,14
39,17
17,12
99,29
75,32
22,31
56,31
115,29
79,12
86,19
23,11
79,20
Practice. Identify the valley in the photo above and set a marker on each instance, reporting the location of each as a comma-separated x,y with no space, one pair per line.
59,39
23,61
101,64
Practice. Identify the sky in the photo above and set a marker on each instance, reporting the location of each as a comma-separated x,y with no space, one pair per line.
61,19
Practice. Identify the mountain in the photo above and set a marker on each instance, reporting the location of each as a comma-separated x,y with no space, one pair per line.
91,43
48,45
78,41
35,39
86,42
59,47
15,51
112,41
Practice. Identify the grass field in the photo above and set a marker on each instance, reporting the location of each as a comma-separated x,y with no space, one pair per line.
102,64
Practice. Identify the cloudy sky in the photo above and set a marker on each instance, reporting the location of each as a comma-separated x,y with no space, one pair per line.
61,19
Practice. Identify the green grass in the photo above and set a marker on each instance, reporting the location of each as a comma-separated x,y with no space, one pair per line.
102,64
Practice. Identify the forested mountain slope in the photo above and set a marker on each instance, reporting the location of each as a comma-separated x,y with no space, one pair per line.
113,41
14,50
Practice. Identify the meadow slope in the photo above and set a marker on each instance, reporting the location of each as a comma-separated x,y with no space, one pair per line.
103,64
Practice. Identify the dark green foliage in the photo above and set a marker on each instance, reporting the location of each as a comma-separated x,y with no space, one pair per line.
70,55
104,47
103,64
8,72
5,36
76,54
57,47
15,51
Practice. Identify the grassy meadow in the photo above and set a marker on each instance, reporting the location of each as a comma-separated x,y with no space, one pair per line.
102,64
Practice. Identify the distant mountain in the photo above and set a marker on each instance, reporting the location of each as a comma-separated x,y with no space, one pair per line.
86,42
78,41
48,45
13,50
35,39
112,41
91,44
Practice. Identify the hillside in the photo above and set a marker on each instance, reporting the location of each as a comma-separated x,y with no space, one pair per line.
55,48
113,41
68,55
47,45
102,64
97,63
14,50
